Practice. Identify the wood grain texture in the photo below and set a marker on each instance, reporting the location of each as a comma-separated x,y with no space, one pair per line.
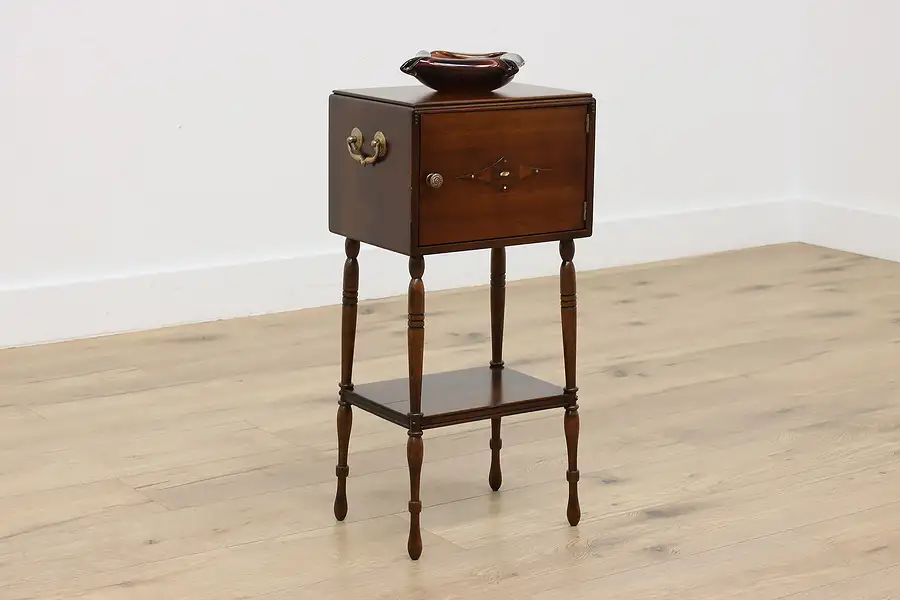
739,416
458,396
371,203
415,357
506,174
568,304
415,450
498,305
415,335
349,309
342,470
498,310
423,98
525,158
572,425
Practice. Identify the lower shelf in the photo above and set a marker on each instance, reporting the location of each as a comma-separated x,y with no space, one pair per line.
460,396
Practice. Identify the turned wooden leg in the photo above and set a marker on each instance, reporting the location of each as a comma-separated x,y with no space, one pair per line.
572,426
415,451
495,478
498,308
348,342
568,308
344,422
415,353
498,305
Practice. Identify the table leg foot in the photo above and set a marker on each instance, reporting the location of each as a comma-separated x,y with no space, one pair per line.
571,421
414,455
344,424
495,478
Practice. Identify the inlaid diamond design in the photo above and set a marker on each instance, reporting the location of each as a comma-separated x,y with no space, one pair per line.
501,176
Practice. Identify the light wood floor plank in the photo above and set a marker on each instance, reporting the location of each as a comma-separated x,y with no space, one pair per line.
740,416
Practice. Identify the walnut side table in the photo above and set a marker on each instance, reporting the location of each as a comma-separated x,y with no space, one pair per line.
418,172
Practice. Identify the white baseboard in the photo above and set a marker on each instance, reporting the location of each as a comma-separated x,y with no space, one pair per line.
850,229
104,306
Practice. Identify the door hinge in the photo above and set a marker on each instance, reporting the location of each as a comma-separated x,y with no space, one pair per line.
584,212
587,122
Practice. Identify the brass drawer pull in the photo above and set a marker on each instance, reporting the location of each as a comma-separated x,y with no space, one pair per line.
435,180
354,146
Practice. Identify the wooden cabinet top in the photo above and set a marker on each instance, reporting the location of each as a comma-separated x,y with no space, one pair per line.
421,97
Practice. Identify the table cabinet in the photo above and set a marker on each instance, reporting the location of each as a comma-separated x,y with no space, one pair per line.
420,173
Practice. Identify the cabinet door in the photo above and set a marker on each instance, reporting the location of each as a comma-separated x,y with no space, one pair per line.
503,173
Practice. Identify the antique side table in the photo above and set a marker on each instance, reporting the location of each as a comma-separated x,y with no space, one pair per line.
418,172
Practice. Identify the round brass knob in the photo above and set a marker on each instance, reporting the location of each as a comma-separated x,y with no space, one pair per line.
435,180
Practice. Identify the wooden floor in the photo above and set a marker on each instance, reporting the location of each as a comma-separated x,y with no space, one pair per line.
740,438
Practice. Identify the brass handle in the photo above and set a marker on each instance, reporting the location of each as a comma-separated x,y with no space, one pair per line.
354,146
435,180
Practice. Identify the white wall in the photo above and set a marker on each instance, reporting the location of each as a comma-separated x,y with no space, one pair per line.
162,162
853,164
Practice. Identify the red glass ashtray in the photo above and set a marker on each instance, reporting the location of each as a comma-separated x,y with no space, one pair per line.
445,71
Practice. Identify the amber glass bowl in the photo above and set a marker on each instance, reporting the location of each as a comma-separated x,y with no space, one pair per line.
445,71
